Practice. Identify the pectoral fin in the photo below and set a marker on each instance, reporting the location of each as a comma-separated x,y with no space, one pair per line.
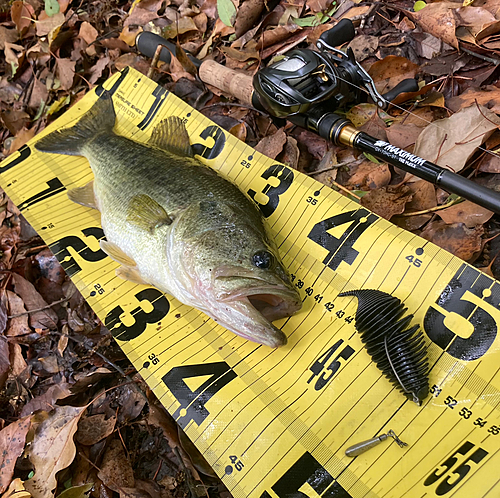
84,195
146,213
116,254
171,135
131,274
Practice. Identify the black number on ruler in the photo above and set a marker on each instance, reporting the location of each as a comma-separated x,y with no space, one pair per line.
318,366
341,249
100,89
61,252
307,470
473,296
285,177
217,135
450,481
193,402
24,152
161,307
160,94
55,187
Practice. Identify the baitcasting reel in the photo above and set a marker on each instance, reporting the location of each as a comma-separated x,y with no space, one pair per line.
330,77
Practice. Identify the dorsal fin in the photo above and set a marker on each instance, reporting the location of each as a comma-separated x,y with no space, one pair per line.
171,135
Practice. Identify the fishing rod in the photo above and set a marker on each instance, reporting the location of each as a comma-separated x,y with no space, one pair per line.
308,86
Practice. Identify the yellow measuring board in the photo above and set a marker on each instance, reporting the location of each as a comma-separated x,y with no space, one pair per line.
274,423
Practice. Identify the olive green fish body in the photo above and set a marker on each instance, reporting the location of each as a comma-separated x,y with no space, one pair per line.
176,224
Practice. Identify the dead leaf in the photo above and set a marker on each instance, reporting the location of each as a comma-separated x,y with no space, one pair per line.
488,96
18,366
66,72
177,71
465,212
39,94
364,46
4,361
14,120
273,144
387,201
97,69
450,142
433,99
316,145
179,27
368,176
247,15
22,137
490,163
276,35
7,35
52,449
19,325
16,490
403,135
12,440
45,26
239,131
116,471
22,13
93,429
47,400
390,71
424,197
44,319
438,19
463,242
290,154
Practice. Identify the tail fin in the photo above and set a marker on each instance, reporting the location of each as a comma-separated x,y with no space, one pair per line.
70,141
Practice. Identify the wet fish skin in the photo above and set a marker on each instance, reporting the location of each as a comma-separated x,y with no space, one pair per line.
173,223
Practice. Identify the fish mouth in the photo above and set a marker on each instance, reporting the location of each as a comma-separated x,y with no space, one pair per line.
261,306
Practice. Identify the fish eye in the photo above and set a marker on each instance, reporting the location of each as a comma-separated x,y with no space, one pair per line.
263,259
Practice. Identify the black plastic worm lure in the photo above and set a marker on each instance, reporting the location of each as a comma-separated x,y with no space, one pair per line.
398,351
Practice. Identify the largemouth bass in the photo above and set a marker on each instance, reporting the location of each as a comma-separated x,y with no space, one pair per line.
174,223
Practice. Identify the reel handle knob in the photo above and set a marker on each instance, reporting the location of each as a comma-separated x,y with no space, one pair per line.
408,85
341,33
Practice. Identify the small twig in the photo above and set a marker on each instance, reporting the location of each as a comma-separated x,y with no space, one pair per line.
432,210
329,168
347,191
479,56
155,60
39,309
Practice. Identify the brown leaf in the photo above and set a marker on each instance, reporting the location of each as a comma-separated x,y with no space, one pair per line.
98,68
276,35
465,212
177,71
450,142
47,400
364,46
18,325
246,16
488,96
16,490
39,94
403,135
387,201
22,14
179,27
318,5
18,366
185,61
7,35
463,242
290,154
12,440
93,429
116,471
316,145
21,138
45,26
490,163
369,176
88,32
390,71
14,120
240,55
438,19
272,145
53,449
239,131
66,72
4,361
45,319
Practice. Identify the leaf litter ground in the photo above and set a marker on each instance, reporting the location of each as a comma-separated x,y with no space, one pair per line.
74,416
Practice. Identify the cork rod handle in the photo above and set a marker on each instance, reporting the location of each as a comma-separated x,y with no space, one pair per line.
235,83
